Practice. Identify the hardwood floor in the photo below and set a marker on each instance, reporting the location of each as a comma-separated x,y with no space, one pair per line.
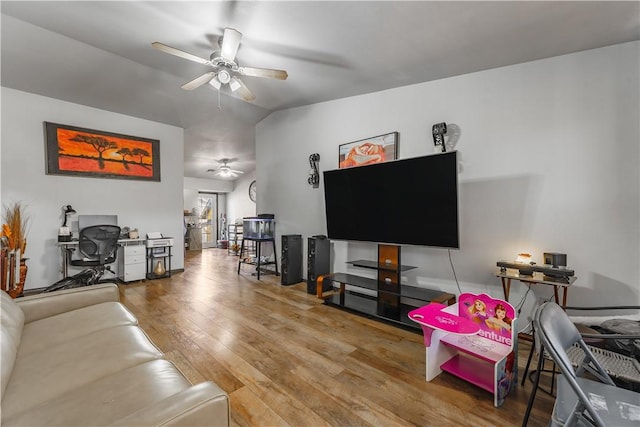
288,360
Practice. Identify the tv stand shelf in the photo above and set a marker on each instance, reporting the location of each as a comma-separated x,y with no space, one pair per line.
392,307
380,265
383,298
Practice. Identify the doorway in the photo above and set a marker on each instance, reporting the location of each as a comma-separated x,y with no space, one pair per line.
208,209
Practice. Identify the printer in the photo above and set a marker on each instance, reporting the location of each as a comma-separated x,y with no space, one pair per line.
157,240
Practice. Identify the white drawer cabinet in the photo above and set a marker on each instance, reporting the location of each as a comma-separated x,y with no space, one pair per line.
132,263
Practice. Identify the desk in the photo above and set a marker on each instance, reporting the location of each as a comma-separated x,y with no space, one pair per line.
432,317
537,279
67,248
460,342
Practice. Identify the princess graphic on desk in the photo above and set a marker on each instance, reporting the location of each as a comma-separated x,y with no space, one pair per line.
478,312
499,322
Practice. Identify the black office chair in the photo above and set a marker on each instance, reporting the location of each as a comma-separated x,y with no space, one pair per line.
98,246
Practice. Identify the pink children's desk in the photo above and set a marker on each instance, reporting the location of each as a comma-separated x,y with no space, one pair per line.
432,318
437,321
468,344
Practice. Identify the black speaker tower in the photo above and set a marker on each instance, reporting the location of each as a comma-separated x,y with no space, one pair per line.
318,261
291,260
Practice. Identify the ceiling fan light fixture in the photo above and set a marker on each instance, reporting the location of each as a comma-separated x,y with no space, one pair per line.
234,84
215,83
225,171
224,76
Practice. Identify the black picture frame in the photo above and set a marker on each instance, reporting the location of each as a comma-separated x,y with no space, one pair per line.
76,151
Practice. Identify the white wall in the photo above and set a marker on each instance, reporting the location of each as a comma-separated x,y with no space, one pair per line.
148,206
239,205
548,161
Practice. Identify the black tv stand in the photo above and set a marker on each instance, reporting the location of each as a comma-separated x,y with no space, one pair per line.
384,298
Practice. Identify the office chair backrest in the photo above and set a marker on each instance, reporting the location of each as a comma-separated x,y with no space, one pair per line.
100,243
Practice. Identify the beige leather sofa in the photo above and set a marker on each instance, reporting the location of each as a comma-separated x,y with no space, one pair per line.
78,358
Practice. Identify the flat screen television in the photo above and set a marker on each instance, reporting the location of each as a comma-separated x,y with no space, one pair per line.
410,201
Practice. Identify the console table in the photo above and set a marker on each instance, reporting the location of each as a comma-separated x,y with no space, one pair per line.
506,275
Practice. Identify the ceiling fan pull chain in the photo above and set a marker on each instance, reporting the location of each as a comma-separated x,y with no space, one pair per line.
219,106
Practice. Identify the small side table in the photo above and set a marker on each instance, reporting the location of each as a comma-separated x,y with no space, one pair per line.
537,279
258,261
159,253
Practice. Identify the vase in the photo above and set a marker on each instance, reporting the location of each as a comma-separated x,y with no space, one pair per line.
16,289
23,277
159,270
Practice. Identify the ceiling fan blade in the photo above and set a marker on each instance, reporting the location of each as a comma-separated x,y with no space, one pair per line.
199,81
244,91
230,44
178,52
263,72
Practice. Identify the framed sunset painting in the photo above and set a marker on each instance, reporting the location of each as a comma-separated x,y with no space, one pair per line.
93,153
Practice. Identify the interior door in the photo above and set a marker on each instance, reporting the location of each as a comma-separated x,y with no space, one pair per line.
208,213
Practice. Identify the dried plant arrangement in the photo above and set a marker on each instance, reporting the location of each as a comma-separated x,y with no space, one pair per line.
13,266
15,227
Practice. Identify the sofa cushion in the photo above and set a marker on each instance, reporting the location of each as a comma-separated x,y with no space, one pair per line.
47,304
11,323
73,364
106,400
204,404
42,334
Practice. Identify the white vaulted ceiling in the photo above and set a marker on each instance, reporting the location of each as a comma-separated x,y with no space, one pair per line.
99,54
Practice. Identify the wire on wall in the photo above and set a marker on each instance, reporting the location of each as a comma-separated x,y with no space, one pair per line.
453,269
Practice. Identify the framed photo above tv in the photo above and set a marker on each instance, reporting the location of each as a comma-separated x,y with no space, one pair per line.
77,151
378,149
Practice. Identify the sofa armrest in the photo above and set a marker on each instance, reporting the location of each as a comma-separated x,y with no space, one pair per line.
40,306
204,404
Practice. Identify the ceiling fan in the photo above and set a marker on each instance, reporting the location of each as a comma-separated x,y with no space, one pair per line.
225,66
225,170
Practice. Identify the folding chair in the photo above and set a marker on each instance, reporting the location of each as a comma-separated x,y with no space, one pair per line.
586,395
